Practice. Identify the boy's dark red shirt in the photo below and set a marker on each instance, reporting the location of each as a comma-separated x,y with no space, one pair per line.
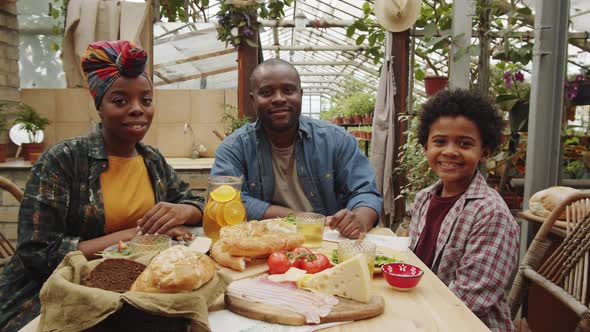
437,211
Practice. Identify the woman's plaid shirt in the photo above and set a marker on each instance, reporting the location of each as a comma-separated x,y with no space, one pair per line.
476,251
63,205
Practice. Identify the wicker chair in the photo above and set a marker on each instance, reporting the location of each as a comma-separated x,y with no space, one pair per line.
564,273
6,248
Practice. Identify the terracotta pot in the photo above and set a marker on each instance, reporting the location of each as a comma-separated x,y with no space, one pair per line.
29,148
356,119
434,84
369,135
337,120
346,120
3,152
34,156
367,120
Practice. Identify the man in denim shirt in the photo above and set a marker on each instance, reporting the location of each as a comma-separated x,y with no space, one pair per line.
292,164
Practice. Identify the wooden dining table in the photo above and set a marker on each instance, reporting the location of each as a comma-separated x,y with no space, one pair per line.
430,306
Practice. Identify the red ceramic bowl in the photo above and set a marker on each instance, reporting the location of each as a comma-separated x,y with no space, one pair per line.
402,276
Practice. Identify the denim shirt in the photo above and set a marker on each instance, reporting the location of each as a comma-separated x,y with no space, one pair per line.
334,173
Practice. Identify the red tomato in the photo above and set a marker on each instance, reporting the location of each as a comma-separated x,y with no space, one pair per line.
315,263
297,254
278,263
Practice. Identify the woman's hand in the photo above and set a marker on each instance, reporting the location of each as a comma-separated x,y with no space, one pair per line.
164,216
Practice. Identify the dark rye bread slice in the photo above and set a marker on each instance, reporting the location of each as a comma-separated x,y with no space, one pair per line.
115,274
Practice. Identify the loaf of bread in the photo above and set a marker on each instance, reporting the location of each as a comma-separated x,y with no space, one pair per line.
175,270
240,243
545,201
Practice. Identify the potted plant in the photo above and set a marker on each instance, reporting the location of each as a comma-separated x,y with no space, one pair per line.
3,125
434,84
513,94
231,117
578,90
32,123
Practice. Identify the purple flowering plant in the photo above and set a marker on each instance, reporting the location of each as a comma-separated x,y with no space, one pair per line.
513,90
572,87
237,22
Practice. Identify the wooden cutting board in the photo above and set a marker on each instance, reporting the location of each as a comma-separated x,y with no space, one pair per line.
345,310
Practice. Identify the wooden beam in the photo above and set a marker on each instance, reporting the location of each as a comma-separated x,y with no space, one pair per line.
320,23
247,61
195,76
196,58
400,51
315,48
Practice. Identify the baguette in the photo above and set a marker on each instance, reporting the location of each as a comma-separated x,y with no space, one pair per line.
240,243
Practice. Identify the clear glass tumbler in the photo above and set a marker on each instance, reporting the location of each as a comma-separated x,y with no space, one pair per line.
311,225
349,249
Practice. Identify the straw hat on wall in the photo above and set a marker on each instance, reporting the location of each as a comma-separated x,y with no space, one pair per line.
397,15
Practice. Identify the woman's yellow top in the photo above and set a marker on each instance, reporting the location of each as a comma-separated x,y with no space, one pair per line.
127,192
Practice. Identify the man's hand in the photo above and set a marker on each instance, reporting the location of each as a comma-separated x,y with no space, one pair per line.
352,223
180,233
164,216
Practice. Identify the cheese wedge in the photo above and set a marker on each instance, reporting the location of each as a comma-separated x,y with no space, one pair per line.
293,274
349,279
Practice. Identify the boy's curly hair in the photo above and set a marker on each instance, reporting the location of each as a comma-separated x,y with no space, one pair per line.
470,104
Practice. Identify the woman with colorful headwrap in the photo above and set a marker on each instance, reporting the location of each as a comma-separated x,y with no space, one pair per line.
88,193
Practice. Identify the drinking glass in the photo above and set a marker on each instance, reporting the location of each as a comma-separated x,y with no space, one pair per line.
350,248
311,226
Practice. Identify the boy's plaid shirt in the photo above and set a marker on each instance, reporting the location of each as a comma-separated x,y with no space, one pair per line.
476,251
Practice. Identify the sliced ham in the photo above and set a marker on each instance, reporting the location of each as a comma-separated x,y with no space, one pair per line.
284,295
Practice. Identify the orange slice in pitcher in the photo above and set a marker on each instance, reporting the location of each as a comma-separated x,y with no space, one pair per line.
214,211
234,212
223,193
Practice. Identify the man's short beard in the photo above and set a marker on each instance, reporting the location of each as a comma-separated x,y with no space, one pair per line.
293,120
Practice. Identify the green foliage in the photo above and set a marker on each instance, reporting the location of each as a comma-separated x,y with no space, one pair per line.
30,120
368,30
360,103
231,117
412,163
356,99
238,25
508,85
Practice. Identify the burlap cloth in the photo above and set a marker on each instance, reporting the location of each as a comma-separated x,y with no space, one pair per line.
68,306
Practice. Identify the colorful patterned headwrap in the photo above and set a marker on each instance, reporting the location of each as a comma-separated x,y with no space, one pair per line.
104,62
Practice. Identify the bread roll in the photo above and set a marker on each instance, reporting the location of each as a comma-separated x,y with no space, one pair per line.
545,201
175,270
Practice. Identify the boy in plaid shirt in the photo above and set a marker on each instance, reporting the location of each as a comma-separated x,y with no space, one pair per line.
461,228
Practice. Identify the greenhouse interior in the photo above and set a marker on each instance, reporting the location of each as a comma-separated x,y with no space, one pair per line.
445,144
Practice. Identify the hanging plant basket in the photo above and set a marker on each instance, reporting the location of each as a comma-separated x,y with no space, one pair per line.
583,92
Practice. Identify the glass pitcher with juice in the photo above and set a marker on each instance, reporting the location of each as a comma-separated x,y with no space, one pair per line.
224,205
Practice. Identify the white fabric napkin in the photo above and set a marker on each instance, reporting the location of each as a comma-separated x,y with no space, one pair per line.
392,242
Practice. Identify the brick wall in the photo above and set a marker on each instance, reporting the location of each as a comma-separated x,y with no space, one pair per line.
9,82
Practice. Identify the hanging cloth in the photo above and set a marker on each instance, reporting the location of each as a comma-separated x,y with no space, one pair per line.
382,149
88,21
